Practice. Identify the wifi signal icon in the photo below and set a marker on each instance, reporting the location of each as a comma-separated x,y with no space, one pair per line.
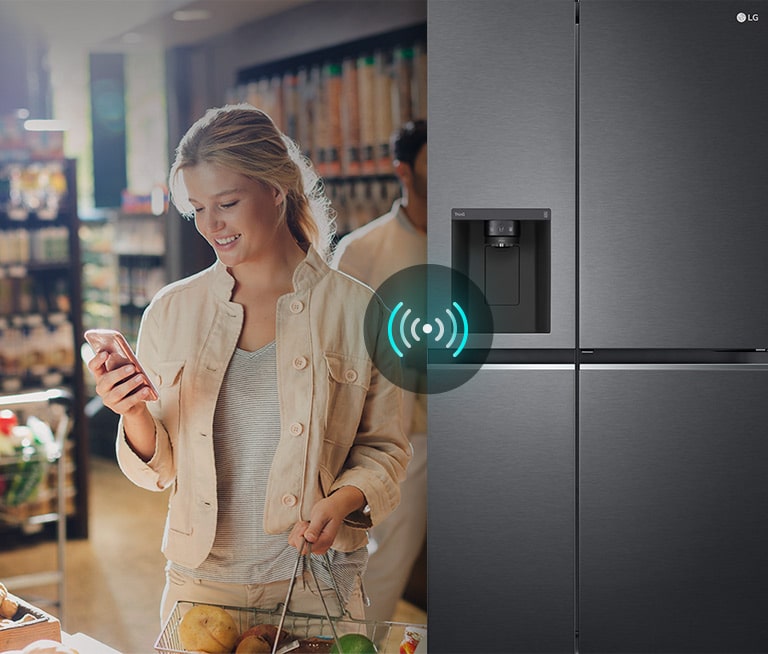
406,329
426,312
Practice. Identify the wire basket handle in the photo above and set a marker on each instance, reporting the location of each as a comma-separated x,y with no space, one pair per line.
292,583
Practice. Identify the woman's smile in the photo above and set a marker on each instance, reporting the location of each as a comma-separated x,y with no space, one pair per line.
227,240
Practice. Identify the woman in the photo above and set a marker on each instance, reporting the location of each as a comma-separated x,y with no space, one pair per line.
273,425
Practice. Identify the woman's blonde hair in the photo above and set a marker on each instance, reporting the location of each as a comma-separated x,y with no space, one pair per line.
246,140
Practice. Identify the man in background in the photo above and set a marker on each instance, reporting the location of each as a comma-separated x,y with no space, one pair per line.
372,254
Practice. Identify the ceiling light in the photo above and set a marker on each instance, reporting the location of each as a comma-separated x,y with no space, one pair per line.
187,15
45,126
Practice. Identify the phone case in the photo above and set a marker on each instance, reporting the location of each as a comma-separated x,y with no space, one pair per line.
116,344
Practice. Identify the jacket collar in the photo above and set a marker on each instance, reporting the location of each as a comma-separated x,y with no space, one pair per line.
309,271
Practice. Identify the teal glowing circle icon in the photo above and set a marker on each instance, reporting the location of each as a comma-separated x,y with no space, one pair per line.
428,328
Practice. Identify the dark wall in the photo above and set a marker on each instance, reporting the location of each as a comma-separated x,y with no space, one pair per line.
108,128
24,78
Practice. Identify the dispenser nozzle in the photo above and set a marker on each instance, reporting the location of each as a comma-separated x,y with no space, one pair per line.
502,233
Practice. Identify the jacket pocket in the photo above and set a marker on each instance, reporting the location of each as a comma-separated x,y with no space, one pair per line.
348,381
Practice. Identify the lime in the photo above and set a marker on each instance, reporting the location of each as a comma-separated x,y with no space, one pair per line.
354,644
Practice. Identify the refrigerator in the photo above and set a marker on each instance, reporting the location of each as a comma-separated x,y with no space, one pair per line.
599,484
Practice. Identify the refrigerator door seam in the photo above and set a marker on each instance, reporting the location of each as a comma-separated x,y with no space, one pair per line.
506,366
674,366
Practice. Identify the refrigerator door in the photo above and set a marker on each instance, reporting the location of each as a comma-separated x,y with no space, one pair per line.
673,493
673,174
501,524
502,130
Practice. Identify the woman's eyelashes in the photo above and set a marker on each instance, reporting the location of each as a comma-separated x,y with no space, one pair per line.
224,205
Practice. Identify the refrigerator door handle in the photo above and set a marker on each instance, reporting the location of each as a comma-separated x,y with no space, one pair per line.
502,366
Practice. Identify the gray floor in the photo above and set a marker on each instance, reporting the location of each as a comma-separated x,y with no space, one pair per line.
115,578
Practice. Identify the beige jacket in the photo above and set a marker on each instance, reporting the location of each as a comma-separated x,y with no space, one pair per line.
337,412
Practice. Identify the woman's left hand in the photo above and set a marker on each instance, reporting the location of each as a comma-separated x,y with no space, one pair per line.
325,519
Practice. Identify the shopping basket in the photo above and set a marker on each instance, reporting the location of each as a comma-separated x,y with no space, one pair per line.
388,635
322,629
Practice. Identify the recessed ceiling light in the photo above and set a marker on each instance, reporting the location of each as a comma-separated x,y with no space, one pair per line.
45,125
191,14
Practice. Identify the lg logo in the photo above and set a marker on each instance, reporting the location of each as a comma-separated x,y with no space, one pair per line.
746,18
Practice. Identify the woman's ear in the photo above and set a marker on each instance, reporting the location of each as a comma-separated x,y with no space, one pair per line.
278,196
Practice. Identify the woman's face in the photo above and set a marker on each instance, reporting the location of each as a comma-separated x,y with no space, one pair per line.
238,216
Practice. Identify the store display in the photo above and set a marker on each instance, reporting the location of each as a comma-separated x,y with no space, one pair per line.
370,94
36,337
350,118
36,482
18,144
332,101
140,249
341,105
33,188
358,200
24,456
41,302
366,71
100,271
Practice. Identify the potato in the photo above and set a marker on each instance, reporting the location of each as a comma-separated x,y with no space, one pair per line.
207,628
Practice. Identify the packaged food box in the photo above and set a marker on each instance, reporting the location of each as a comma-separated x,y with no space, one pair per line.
18,634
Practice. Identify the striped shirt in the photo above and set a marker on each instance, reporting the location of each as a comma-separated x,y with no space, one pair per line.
246,427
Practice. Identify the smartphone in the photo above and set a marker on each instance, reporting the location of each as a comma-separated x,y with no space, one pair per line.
115,343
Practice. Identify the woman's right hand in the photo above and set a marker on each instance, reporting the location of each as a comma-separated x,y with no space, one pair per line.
118,388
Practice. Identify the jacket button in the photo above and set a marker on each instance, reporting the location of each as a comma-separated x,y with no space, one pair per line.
296,428
300,363
289,500
297,306
350,375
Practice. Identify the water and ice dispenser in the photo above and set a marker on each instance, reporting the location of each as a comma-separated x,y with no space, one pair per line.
506,253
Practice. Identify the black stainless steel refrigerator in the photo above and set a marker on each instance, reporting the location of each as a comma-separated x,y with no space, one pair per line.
600,485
